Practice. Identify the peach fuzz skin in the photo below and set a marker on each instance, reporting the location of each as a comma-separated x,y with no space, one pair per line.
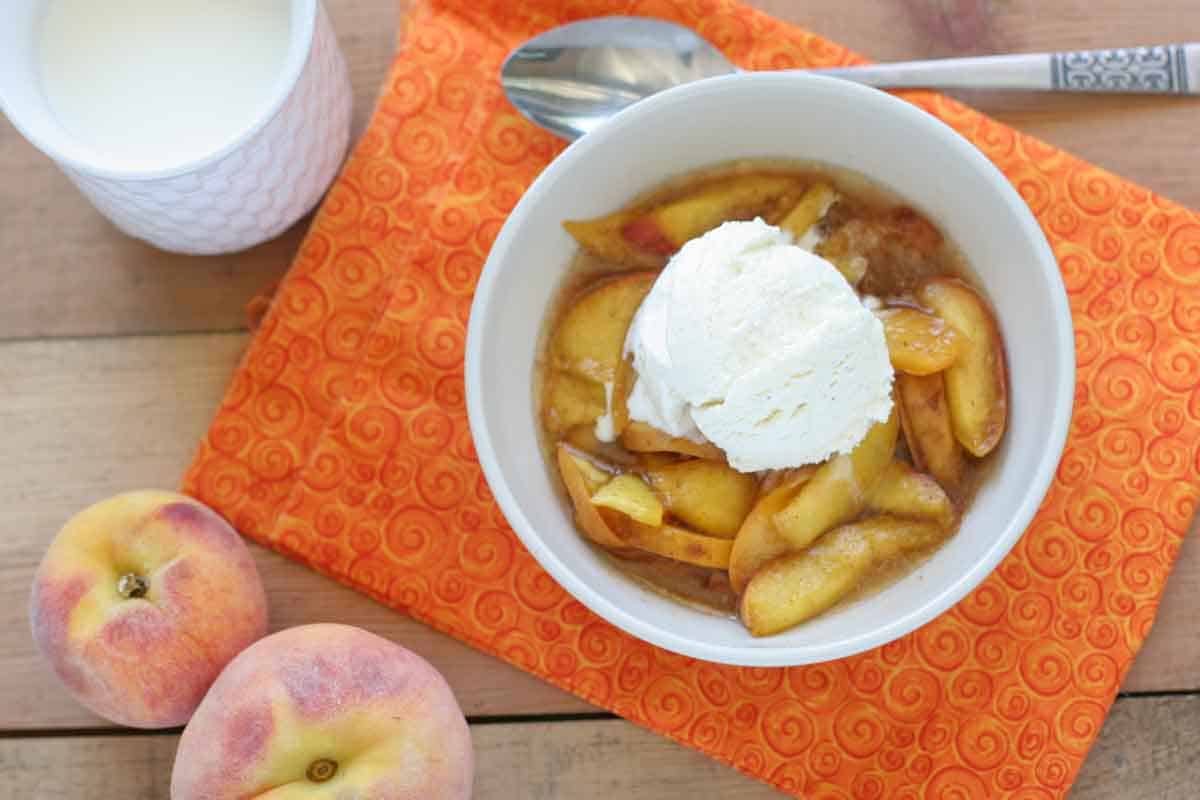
140,602
326,711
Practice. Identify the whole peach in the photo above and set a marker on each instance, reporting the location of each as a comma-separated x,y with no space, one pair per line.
141,601
326,711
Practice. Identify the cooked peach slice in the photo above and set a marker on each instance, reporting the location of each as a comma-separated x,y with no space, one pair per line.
602,237
976,383
646,233
757,542
920,343
629,495
645,238
571,402
853,268
783,204
903,492
679,544
839,489
707,495
809,211
801,585
649,461
642,438
583,437
925,418
582,479
791,478
665,228
590,337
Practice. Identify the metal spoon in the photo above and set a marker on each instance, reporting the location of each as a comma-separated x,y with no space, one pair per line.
572,78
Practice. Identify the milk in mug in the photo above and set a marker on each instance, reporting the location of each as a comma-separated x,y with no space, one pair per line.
160,83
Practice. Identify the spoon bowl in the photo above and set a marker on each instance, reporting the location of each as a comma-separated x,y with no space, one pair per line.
572,78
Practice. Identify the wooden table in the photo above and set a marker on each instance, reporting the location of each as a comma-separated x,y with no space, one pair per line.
113,357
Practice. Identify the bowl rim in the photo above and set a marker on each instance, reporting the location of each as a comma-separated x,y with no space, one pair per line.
764,655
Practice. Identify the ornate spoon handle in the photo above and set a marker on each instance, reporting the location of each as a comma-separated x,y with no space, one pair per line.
1164,69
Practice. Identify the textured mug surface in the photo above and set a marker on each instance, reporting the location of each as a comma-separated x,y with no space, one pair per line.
248,192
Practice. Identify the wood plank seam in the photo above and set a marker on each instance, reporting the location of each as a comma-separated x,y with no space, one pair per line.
481,720
116,337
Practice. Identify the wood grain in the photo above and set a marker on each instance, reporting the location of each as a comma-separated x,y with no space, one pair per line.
84,419
1147,750
1169,660
69,273
529,761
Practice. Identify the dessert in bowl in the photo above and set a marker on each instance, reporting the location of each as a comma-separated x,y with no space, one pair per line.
752,368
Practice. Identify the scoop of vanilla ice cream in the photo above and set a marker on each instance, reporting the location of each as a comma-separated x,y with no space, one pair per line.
760,347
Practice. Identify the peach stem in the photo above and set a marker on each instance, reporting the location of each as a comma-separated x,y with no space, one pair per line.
131,586
321,770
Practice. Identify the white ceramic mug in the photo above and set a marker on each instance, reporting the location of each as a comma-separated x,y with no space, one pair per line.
251,190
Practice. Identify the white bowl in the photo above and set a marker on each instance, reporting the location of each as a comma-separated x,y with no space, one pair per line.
789,116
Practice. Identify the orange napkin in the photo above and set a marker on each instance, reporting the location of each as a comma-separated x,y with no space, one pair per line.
343,443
